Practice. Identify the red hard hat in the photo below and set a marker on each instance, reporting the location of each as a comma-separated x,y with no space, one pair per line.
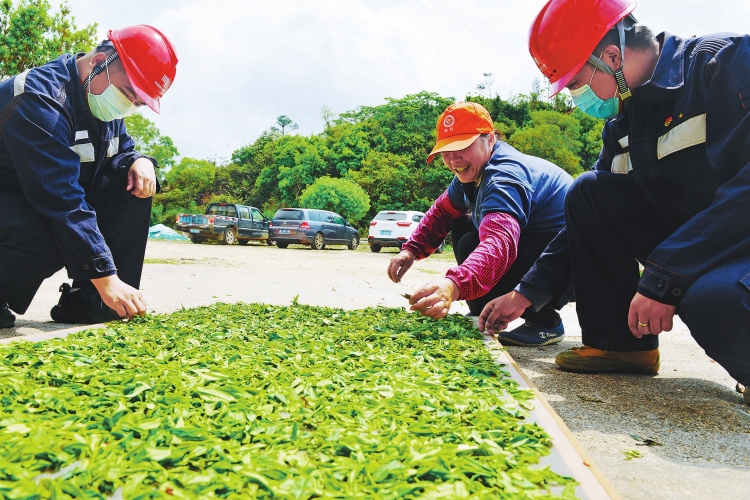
149,59
566,32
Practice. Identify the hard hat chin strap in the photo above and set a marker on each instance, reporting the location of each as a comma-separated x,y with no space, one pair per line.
103,66
622,85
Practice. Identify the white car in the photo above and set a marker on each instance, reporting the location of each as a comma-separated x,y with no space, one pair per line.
392,228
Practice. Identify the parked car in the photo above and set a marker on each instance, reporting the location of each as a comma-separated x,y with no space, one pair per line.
228,222
316,228
392,228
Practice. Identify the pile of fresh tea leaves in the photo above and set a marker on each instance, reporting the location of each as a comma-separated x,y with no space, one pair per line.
249,400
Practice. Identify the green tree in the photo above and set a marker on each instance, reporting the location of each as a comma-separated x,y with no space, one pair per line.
194,178
337,195
149,140
285,122
31,35
547,141
301,161
388,181
591,137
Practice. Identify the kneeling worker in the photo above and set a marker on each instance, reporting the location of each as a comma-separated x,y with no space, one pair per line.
73,191
671,190
503,208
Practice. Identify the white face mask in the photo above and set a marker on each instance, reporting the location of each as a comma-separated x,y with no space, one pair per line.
111,104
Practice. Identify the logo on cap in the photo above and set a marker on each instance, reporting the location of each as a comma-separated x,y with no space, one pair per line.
448,121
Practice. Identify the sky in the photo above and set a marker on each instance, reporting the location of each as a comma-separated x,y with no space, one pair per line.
243,63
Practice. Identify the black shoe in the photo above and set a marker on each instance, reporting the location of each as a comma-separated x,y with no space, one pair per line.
81,306
7,319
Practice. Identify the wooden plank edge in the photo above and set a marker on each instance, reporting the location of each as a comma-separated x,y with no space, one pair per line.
593,481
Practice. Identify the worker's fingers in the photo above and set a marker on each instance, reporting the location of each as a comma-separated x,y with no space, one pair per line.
482,321
140,306
633,322
424,302
496,318
138,188
392,268
437,311
131,175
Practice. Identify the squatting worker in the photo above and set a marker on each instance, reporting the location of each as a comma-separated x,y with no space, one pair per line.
671,190
73,191
503,208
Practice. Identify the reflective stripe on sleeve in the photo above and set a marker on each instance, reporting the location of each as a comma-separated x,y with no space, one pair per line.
19,84
621,164
85,151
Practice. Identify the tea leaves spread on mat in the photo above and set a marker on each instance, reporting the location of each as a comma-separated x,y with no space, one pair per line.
244,401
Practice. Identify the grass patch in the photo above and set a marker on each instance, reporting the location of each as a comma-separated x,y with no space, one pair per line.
255,401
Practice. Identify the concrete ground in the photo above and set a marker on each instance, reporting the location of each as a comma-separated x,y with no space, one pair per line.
690,409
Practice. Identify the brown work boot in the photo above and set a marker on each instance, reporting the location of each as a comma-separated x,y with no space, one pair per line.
589,359
745,391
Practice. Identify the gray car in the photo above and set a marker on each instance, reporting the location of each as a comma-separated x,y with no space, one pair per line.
308,226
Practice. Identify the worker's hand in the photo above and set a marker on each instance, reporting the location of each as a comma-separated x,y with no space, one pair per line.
142,178
649,317
125,300
434,299
500,311
399,265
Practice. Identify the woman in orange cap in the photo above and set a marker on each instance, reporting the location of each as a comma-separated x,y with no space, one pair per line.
503,208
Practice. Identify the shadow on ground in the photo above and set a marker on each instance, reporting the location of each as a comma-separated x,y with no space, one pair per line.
29,327
694,420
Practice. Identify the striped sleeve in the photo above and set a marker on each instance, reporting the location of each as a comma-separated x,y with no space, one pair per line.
497,250
434,227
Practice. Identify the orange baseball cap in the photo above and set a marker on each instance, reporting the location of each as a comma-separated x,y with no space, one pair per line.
459,126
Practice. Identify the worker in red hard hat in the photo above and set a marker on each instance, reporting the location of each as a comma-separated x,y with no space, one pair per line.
671,190
74,193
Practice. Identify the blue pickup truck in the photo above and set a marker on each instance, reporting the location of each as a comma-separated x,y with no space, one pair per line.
227,222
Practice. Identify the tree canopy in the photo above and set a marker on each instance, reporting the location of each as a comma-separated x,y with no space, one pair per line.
379,150
31,34
337,195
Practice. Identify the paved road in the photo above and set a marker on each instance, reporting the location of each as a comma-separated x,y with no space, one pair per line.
689,408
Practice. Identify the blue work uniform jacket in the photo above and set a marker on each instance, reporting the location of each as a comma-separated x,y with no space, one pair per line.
685,138
529,188
51,149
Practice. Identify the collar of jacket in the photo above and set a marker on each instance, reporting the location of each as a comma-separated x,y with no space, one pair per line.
73,87
670,68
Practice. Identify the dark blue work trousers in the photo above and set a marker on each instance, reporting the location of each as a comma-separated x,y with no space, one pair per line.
29,251
611,227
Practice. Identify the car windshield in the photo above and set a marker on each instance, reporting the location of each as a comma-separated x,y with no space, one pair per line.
217,209
390,216
285,214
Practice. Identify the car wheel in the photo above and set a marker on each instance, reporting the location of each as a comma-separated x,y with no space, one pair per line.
243,242
197,240
318,242
375,248
230,236
281,245
354,243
